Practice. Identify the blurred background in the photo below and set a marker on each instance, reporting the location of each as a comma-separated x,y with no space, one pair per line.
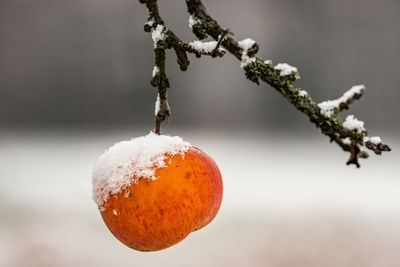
75,79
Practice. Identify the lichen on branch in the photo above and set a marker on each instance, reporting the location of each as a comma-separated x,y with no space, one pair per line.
350,135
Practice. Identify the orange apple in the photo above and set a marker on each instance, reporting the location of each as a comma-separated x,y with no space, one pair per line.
153,214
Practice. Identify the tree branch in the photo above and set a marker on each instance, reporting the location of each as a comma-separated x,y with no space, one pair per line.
349,135
163,39
281,78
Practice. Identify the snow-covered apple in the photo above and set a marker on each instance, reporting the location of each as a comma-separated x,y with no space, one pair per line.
154,190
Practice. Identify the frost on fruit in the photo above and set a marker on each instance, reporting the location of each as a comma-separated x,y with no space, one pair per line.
126,162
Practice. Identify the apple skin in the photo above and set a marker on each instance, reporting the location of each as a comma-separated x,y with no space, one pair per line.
155,214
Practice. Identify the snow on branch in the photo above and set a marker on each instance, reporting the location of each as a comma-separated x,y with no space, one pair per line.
375,144
158,34
352,123
303,93
285,69
156,70
349,135
211,48
157,105
192,21
246,45
330,107
204,47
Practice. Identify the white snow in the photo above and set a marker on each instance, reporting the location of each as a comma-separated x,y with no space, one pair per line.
128,161
268,62
353,123
346,141
303,93
205,47
150,22
157,105
158,34
285,69
327,107
246,44
375,140
155,71
356,89
192,21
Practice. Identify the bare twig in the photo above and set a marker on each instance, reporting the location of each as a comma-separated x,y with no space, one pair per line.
214,53
351,100
377,148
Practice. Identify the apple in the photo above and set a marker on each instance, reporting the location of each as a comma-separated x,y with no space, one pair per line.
148,214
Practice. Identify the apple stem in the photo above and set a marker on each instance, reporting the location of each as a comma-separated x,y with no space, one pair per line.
157,130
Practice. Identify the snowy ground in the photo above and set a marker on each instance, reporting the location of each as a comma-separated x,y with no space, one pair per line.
287,202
